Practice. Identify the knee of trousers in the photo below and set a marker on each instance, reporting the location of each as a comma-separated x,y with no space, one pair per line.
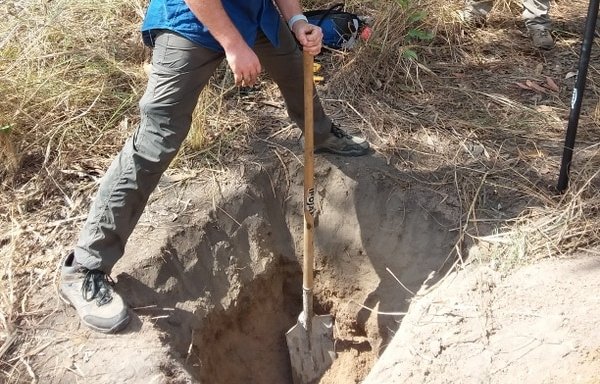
162,130
151,153
153,149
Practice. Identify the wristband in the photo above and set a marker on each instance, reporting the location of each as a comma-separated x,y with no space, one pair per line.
295,18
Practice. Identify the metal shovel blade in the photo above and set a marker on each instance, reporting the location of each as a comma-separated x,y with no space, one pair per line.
311,351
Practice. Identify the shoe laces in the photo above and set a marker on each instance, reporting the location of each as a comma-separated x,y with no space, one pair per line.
97,285
339,133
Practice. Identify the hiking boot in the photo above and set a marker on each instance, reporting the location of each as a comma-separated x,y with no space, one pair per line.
541,38
91,293
341,143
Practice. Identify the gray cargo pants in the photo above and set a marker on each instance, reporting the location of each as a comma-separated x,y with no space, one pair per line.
535,12
180,69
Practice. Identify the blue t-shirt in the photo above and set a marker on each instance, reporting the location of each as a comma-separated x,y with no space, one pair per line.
247,15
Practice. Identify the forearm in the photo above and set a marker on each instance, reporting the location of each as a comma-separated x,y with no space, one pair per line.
213,16
309,36
288,8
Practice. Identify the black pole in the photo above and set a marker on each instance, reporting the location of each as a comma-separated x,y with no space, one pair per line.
577,97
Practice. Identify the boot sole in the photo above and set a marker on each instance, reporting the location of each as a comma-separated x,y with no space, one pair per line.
116,328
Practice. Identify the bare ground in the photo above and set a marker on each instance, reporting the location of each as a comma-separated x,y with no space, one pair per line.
537,325
215,288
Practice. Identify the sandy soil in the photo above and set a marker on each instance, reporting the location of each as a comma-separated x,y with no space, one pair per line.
215,286
213,292
536,325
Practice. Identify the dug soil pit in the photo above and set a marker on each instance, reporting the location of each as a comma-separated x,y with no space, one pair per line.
213,273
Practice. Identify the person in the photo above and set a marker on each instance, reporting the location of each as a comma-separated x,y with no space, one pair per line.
189,39
535,14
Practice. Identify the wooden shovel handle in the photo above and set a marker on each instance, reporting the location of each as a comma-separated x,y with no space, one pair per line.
309,183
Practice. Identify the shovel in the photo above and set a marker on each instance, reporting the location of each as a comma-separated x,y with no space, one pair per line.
310,341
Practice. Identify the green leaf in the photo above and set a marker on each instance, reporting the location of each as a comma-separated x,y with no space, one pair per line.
420,35
417,16
410,54
5,129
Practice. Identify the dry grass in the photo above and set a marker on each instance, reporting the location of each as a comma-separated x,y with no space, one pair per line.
458,117
563,225
71,75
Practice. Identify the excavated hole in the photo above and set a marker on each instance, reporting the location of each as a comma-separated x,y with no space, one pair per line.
246,344
236,279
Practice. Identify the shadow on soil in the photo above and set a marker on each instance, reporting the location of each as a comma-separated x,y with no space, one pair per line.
226,286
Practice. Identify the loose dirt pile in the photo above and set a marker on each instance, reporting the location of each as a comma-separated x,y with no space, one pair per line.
221,282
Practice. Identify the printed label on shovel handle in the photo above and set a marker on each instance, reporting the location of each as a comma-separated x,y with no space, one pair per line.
310,201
